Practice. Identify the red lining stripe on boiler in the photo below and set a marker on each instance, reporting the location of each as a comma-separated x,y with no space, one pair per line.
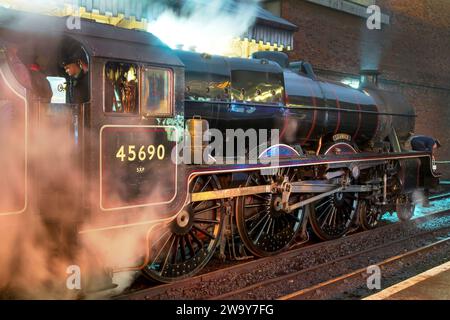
338,104
314,118
359,118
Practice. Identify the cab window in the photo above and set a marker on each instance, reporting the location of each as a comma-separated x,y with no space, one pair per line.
121,88
157,88
58,86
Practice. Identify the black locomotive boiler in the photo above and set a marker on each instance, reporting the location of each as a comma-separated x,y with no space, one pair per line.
102,170
271,93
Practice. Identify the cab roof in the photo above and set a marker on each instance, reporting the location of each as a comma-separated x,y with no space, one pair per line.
99,40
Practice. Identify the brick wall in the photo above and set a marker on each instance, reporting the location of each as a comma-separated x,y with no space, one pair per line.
412,52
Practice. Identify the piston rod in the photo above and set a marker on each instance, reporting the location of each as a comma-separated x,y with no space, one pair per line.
297,187
314,199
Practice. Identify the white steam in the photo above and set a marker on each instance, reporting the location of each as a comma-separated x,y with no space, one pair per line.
206,26
37,6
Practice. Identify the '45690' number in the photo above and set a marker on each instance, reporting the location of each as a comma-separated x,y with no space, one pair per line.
143,153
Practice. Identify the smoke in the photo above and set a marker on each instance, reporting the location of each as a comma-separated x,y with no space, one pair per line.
419,197
374,44
207,26
36,6
38,246
33,259
202,25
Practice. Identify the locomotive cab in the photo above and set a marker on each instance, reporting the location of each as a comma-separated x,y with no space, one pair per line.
89,151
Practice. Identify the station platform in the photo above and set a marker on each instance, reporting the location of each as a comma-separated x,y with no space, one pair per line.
433,284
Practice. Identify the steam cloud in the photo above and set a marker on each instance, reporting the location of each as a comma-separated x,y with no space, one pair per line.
37,247
208,26
37,6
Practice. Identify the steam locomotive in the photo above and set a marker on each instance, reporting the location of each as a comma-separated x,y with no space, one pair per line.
104,168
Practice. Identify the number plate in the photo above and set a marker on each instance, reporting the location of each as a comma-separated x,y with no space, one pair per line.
136,166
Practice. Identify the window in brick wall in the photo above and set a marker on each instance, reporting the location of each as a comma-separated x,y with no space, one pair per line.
273,6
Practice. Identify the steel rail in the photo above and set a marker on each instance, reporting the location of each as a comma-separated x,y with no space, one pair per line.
363,271
292,276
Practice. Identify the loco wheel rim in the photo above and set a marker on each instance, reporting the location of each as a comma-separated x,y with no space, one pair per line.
332,217
368,216
264,230
184,246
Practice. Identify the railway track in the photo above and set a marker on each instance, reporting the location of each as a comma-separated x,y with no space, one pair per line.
358,277
252,274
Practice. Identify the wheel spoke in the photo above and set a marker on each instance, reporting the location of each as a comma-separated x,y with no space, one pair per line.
183,248
324,212
196,240
206,184
206,221
256,215
334,221
327,217
195,206
190,246
166,261
258,224
270,224
262,230
323,203
254,179
260,197
331,215
195,184
204,232
256,205
162,236
217,206
273,226
162,247
175,249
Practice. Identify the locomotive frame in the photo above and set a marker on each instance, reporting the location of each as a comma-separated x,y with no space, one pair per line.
342,177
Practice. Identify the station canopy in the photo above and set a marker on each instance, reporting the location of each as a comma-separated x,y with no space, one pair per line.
268,32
